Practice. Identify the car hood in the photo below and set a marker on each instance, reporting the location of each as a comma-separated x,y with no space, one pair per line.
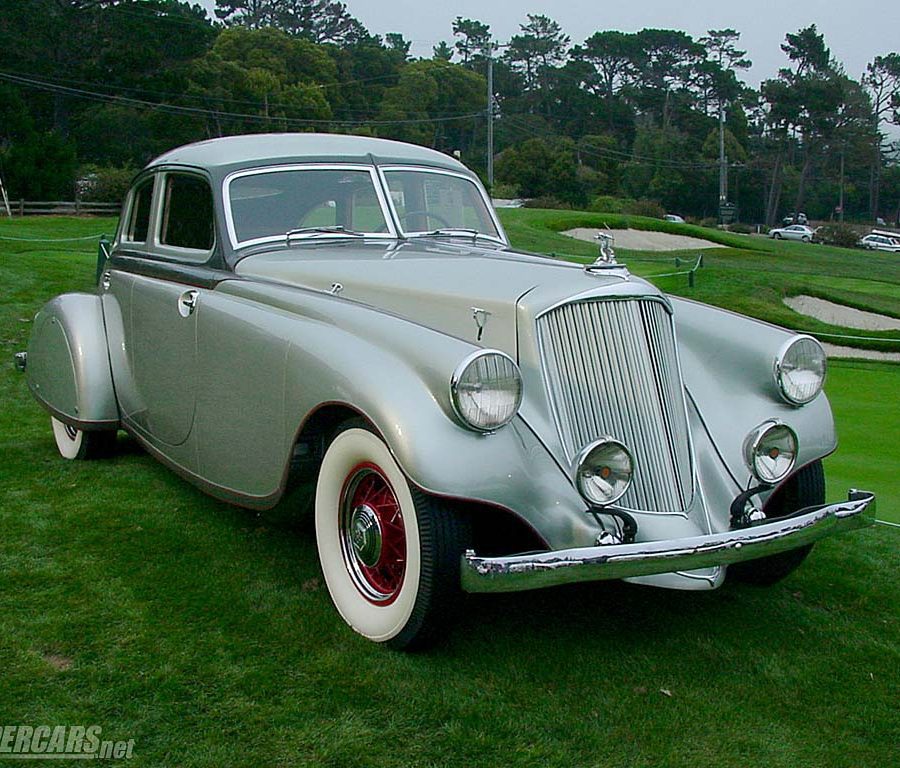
468,291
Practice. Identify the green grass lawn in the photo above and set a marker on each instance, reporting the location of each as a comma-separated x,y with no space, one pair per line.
130,600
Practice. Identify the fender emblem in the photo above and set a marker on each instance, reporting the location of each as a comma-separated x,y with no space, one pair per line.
480,316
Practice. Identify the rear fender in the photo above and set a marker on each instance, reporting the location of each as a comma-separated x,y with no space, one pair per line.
68,363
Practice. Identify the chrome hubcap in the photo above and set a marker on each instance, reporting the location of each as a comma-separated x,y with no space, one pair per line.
365,534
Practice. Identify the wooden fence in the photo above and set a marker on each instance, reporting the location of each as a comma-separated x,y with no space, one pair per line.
61,208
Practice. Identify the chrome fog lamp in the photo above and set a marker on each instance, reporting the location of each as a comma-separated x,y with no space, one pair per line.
800,367
486,390
771,451
603,471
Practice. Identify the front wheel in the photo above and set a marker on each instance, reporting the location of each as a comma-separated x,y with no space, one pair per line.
390,554
805,239
76,444
804,489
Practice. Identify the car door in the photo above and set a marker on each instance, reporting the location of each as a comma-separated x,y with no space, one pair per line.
159,308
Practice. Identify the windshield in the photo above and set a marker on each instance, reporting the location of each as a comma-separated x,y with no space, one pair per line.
297,202
438,203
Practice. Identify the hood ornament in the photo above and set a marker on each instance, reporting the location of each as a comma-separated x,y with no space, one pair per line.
606,258
480,316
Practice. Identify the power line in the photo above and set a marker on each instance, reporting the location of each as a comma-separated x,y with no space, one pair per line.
56,80
199,111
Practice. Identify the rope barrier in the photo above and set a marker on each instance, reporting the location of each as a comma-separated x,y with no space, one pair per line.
697,265
50,240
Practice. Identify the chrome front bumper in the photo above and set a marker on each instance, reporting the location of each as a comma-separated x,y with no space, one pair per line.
546,569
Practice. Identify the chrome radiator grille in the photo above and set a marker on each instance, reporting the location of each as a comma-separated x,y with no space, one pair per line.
611,369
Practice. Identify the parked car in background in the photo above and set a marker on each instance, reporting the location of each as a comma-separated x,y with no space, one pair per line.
877,241
674,218
340,323
793,232
795,218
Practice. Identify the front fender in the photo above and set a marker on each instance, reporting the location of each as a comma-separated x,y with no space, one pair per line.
727,364
397,373
68,363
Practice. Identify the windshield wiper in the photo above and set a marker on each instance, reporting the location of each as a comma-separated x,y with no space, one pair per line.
336,229
457,232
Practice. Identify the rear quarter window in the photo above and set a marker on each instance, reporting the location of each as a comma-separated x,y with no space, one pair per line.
187,214
137,226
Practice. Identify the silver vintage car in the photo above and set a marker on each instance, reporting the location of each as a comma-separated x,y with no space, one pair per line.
339,323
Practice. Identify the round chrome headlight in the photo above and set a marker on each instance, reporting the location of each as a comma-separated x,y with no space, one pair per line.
771,451
486,390
800,369
603,471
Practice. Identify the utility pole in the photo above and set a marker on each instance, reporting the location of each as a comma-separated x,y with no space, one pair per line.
723,161
490,117
841,201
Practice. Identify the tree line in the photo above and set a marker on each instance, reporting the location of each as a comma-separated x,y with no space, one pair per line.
92,89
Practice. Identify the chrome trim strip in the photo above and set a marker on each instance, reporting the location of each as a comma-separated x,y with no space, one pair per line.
621,561
391,234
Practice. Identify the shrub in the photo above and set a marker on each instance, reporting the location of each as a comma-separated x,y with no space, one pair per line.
547,201
608,204
505,191
740,228
649,208
837,234
104,183
710,221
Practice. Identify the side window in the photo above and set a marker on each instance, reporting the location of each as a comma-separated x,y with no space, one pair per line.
139,215
187,213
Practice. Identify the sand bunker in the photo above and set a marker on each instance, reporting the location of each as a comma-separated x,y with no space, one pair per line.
838,314
640,240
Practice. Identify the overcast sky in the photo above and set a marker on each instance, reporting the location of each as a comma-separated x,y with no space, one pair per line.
855,30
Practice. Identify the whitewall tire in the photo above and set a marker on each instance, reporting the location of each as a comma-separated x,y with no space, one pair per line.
389,554
76,444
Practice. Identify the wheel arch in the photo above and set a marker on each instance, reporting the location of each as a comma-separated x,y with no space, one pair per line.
496,528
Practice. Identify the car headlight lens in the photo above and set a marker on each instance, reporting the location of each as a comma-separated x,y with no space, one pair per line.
771,451
603,471
800,369
486,390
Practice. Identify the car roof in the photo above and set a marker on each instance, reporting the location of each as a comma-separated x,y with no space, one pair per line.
262,149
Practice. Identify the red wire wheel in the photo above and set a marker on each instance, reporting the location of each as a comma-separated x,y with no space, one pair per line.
372,534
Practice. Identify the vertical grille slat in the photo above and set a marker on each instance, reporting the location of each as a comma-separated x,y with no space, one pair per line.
611,369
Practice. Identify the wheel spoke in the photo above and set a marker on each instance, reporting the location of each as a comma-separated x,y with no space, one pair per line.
370,501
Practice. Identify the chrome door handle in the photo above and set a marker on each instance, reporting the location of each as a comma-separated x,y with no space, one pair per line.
105,281
187,302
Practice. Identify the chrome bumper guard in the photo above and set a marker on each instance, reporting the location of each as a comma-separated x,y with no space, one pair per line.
621,561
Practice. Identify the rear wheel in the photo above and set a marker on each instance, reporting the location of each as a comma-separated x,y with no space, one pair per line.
76,444
389,554
805,489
